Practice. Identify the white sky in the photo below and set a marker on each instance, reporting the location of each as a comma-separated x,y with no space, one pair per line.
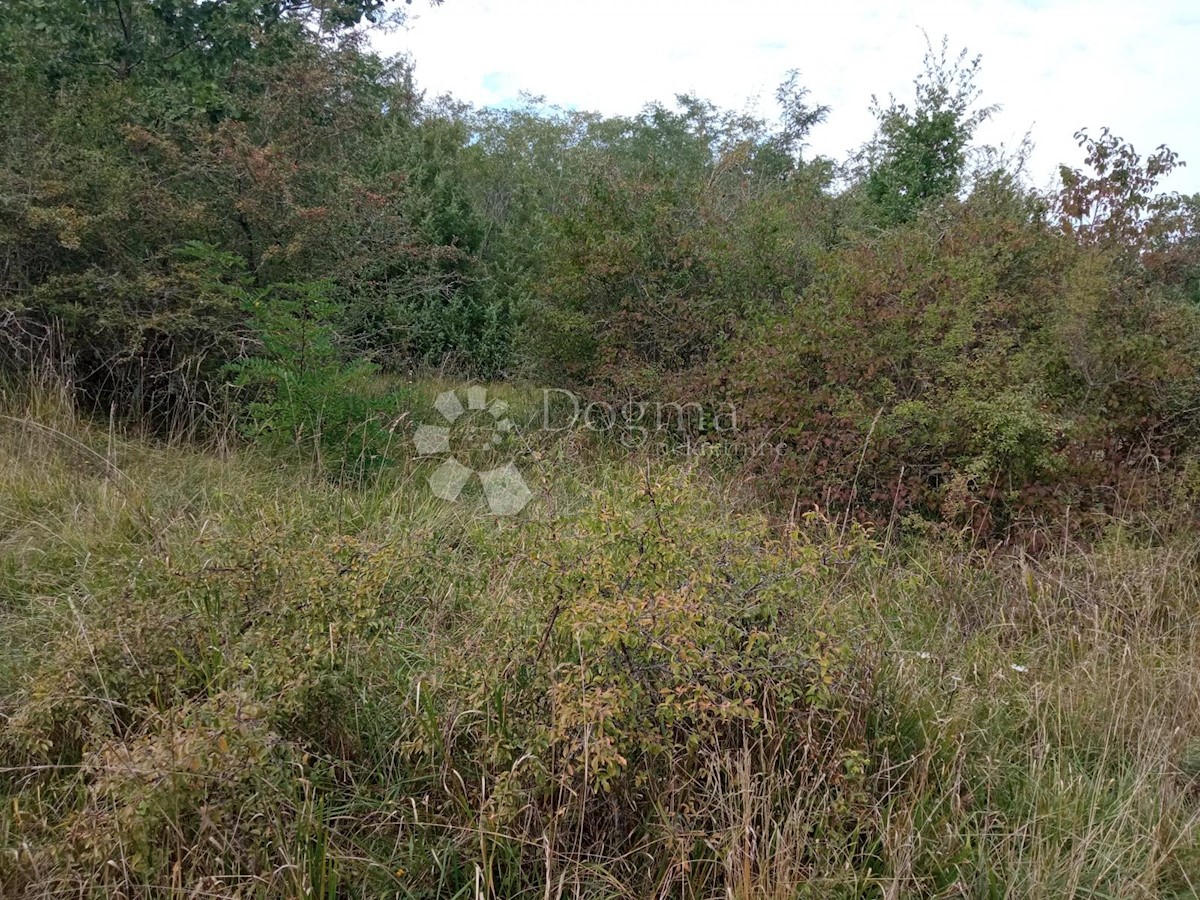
1053,65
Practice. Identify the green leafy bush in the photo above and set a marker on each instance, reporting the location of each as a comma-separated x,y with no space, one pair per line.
687,223
299,390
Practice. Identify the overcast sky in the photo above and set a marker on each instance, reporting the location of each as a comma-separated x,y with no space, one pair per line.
1053,65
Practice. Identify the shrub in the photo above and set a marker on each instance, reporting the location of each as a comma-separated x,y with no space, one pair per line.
973,359
690,223
148,343
300,392
654,653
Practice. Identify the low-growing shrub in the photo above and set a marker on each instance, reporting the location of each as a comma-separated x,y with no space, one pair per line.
232,677
651,658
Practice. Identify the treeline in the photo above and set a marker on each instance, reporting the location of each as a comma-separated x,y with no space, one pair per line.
227,206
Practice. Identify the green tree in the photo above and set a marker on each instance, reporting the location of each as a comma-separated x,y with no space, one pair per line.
1115,205
686,223
133,127
1118,204
299,389
919,154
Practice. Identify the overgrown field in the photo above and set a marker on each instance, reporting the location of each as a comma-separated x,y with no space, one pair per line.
224,675
899,601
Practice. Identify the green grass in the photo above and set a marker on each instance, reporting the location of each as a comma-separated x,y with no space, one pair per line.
224,674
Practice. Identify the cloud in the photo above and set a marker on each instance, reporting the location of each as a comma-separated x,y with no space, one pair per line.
1054,65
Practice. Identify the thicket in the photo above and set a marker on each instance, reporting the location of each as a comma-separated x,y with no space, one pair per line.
913,330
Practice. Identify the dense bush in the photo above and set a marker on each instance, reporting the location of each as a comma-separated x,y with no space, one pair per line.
299,392
688,225
293,148
655,643
974,364
915,330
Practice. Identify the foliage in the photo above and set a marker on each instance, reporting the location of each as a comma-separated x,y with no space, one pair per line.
911,330
659,641
691,223
155,339
972,365
920,154
300,390
436,303
923,626
258,136
1118,206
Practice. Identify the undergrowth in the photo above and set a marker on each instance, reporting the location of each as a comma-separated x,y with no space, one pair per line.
230,676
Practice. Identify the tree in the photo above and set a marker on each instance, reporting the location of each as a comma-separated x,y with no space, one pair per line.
919,154
797,115
1118,207
1118,203
132,128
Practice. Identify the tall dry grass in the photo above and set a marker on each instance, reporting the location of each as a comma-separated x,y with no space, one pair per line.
227,675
